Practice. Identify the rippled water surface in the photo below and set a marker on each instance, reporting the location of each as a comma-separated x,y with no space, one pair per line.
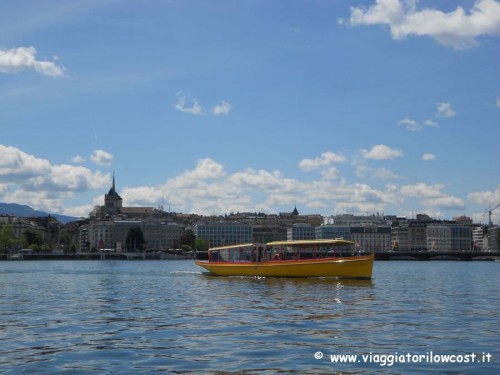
133,317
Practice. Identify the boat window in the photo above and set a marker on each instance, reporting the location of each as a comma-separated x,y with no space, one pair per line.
219,255
240,254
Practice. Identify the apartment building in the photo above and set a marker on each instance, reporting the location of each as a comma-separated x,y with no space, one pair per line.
223,232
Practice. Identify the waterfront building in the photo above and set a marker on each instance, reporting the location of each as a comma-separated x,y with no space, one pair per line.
223,233
494,239
447,236
478,236
159,235
265,232
101,235
409,235
400,237
330,231
112,234
300,231
371,238
350,219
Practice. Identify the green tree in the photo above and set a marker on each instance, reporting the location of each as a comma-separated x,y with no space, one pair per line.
7,238
98,213
187,238
135,239
201,245
32,238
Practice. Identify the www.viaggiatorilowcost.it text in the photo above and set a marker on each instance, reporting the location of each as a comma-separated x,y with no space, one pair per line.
407,358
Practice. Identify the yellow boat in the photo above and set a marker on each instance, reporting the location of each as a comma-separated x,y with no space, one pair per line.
304,258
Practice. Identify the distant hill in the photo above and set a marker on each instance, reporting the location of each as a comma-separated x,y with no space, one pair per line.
23,210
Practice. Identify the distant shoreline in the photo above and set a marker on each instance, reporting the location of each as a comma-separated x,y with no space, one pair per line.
386,255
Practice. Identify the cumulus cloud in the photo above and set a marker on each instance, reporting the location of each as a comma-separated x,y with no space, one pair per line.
457,29
209,189
432,196
445,110
486,198
381,152
30,172
326,159
24,58
222,108
101,157
444,202
34,181
183,106
430,122
422,190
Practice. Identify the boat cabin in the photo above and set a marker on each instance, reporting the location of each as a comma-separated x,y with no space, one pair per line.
281,251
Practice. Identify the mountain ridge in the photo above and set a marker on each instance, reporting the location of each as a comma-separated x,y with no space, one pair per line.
23,210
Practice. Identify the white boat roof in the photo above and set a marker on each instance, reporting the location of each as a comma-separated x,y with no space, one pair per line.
336,241
235,246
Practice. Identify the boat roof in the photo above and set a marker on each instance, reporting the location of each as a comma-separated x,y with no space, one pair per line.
235,246
335,241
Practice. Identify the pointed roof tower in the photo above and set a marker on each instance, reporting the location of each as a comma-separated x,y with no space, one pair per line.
112,201
112,192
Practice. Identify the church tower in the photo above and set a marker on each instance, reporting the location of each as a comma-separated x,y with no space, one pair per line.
112,201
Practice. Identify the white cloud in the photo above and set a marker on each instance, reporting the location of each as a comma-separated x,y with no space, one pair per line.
30,180
413,125
428,157
444,202
432,197
498,102
430,122
208,189
410,125
457,29
487,199
256,179
381,152
24,58
445,110
78,159
380,173
101,157
182,106
326,159
222,108
422,190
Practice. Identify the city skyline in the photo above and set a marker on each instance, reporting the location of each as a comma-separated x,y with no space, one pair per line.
213,108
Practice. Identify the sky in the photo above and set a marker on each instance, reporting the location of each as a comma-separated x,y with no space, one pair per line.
223,106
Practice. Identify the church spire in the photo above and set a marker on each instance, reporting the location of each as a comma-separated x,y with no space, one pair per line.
112,201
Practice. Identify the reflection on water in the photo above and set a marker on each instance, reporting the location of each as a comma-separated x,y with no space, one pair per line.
140,317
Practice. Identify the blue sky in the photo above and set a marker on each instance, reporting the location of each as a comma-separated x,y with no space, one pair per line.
213,107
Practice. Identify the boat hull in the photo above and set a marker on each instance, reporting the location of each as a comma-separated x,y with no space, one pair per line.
349,267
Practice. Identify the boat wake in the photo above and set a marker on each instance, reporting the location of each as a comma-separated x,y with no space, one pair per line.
184,273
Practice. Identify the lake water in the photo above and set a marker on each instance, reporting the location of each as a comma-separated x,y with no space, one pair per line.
136,317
